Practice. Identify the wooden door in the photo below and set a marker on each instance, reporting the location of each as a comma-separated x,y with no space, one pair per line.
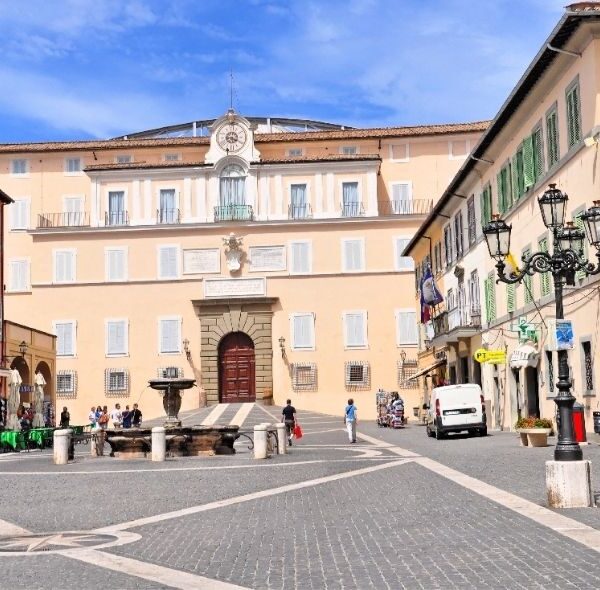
236,369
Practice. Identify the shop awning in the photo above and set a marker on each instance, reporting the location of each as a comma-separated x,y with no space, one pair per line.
524,356
425,371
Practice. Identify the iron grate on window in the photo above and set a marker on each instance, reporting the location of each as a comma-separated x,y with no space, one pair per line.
406,370
304,376
589,371
169,372
66,384
550,371
116,382
358,375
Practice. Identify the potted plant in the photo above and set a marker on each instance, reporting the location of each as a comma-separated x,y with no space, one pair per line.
534,431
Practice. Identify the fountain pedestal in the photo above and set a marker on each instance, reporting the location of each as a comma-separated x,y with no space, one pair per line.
171,391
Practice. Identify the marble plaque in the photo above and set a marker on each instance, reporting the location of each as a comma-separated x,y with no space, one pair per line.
201,261
263,258
235,287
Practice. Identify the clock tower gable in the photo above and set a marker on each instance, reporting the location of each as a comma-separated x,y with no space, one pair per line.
231,135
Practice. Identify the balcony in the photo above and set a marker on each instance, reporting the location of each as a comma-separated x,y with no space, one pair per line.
71,219
352,210
459,322
299,211
234,213
168,216
405,207
116,218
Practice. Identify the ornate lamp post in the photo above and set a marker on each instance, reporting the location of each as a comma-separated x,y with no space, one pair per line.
566,258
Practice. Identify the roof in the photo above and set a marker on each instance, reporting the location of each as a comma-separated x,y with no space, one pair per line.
4,198
575,14
197,164
367,133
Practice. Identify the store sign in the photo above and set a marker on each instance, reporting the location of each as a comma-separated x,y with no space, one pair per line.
560,335
494,357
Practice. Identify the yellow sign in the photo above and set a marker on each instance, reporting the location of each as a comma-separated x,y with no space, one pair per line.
494,357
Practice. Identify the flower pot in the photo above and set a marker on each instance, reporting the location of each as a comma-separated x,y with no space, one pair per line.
534,437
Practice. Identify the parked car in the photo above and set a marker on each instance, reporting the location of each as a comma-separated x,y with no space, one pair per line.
456,408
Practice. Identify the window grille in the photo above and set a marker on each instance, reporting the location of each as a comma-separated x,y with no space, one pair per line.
304,376
589,371
116,382
358,375
169,372
550,367
66,384
406,370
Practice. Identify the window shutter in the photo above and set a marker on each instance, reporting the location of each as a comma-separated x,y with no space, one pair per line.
169,336
490,298
407,327
64,339
507,185
501,200
403,262
116,337
355,329
300,258
353,255
168,262
573,116
510,298
20,214
538,153
65,266
19,275
528,163
303,331
515,179
552,138
527,281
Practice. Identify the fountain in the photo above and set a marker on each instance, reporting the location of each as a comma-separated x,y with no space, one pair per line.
127,443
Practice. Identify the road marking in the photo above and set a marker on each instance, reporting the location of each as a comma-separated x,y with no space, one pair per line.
276,418
305,432
148,571
242,414
248,497
215,414
8,528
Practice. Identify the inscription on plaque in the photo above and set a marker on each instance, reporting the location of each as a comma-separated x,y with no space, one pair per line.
267,258
201,261
234,287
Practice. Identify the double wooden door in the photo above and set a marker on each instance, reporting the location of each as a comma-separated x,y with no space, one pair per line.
236,369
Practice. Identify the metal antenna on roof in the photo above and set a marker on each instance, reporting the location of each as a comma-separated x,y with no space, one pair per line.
231,89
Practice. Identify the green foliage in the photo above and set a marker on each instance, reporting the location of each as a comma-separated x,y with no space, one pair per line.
533,422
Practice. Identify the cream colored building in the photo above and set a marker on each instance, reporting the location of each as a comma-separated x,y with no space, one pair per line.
118,247
537,138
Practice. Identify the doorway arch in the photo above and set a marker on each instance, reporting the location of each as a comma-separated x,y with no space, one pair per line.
21,365
237,382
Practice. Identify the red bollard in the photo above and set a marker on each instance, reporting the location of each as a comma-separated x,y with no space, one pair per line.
579,423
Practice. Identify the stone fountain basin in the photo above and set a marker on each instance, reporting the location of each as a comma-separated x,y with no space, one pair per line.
174,383
182,441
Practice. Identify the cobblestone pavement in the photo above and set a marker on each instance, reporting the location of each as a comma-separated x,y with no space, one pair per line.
384,513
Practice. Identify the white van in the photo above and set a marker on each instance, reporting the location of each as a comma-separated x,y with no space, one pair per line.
456,408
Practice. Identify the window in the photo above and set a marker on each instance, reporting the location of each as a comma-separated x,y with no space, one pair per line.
168,262
450,299
18,279
172,157
169,335
550,371
350,199
64,266
527,281
486,205
459,149
349,150
294,152
19,214
117,337
474,294
406,327
471,220
517,178
511,298
304,376
116,382
353,255
73,211
302,329
490,298
403,262
115,260
402,198
116,208
355,329
448,245
64,331
553,149
588,366
124,159
437,257
573,113
168,212
169,372
406,370
300,258
72,166
399,152
544,276
504,189
232,185
357,374
19,167
298,205
66,383
458,234
538,152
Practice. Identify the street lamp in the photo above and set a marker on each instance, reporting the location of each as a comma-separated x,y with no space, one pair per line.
23,348
566,258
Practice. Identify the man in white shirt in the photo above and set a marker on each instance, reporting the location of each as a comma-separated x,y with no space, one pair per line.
92,417
116,416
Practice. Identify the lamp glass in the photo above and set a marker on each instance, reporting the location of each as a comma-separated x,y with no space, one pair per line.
552,207
497,236
591,222
571,238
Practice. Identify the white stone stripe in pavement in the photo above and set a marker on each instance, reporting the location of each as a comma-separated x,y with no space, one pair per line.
148,571
8,528
215,414
247,497
242,414
270,414
307,432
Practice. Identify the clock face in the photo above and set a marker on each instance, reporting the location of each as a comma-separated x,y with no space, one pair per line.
231,137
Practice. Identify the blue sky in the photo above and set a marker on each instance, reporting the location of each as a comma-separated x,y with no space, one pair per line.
78,69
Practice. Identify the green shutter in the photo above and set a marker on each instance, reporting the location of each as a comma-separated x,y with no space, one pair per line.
501,201
545,276
573,116
514,179
538,153
527,282
486,210
552,138
528,163
511,295
490,298
507,180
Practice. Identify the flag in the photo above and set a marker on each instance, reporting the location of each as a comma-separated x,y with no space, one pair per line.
429,295
511,264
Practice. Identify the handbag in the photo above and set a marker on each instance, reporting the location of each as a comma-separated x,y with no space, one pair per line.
298,431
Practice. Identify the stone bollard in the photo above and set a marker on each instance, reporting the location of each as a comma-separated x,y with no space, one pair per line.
62,438
159,443
281,438
260,441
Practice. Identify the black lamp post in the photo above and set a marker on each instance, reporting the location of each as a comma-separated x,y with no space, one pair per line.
566,258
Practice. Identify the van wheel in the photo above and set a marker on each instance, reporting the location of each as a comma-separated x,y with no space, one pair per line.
438,435
428,430
483,431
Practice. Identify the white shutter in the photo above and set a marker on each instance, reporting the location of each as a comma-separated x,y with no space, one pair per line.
116,337
407,327
300,255
65,338
353,255
169,335
168,262
403,262
115,265
20,214
64,271
19,275
401,192
355,329
73,204
303,331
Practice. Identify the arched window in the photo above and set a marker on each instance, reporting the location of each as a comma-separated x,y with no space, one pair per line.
232,186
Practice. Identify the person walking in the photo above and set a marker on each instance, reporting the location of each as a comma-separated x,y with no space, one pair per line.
136,416
350,419
289,419
65,418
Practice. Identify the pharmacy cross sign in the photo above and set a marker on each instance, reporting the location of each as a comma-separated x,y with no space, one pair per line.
527,331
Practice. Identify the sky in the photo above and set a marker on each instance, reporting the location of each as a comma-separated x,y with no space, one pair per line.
85,69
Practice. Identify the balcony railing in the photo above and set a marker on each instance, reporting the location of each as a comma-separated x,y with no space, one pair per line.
71,219
233,213
167,216
406,207
456,319
116,218
299,211
352,210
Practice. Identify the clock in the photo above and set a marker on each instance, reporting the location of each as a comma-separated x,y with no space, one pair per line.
231,137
